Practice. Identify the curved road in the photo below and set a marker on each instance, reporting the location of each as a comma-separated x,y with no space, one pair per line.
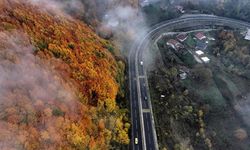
143,127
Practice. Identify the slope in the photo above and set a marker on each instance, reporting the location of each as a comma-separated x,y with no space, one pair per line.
65,82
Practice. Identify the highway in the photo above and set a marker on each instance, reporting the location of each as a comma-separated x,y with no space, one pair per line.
142,120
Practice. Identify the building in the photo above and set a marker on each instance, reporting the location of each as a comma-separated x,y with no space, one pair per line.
183,75
205,59
211,38
247,37
180,8
182,37
174,44
201,45
200,35
199,52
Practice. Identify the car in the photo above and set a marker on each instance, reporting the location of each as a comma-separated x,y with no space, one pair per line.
141,62
146,98
136,140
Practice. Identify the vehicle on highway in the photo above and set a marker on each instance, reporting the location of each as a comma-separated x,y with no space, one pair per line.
146,98
136,140
141,62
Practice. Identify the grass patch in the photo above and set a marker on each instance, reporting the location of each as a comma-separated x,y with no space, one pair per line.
190,42
209,94
212,96
188,59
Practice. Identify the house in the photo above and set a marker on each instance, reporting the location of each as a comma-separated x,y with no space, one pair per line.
183,75
205,59
247,37
201,45
199,52
200,35
174,44
211,38
182,37
180,8
184,69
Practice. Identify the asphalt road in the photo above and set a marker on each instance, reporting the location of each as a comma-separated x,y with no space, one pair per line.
136,125
143,126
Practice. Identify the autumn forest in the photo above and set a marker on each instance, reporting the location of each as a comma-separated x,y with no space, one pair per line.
60,84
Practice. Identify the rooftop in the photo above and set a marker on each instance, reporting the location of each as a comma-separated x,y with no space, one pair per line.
174,44
247,37
199,52
172,41
180,8
182,37
205,59
200,35
201,45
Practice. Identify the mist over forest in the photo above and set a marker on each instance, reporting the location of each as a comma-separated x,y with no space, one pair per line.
64,75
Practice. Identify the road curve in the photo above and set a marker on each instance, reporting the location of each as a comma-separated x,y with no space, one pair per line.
142,120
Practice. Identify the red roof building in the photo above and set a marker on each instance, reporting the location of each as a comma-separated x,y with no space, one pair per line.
174,44
182,37
200,35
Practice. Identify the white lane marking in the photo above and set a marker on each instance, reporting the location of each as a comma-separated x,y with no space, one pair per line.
149,135
136,124
147,124
149,140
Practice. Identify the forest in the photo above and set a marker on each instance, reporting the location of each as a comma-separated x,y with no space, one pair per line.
167,9
62,86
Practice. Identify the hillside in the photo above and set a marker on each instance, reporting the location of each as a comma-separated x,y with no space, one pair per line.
59,83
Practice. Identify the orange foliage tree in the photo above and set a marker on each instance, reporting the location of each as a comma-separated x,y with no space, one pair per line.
80,63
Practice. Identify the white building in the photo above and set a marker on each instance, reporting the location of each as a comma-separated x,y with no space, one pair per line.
247,37
183,75
199,52
205,59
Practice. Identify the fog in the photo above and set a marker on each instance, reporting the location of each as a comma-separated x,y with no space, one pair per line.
59,7
127,25
28,87
125,22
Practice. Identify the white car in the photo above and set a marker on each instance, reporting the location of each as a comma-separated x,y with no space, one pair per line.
146,98
141,62
136,141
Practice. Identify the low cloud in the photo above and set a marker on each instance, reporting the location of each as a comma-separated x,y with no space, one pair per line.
59,7
126,23
30,91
